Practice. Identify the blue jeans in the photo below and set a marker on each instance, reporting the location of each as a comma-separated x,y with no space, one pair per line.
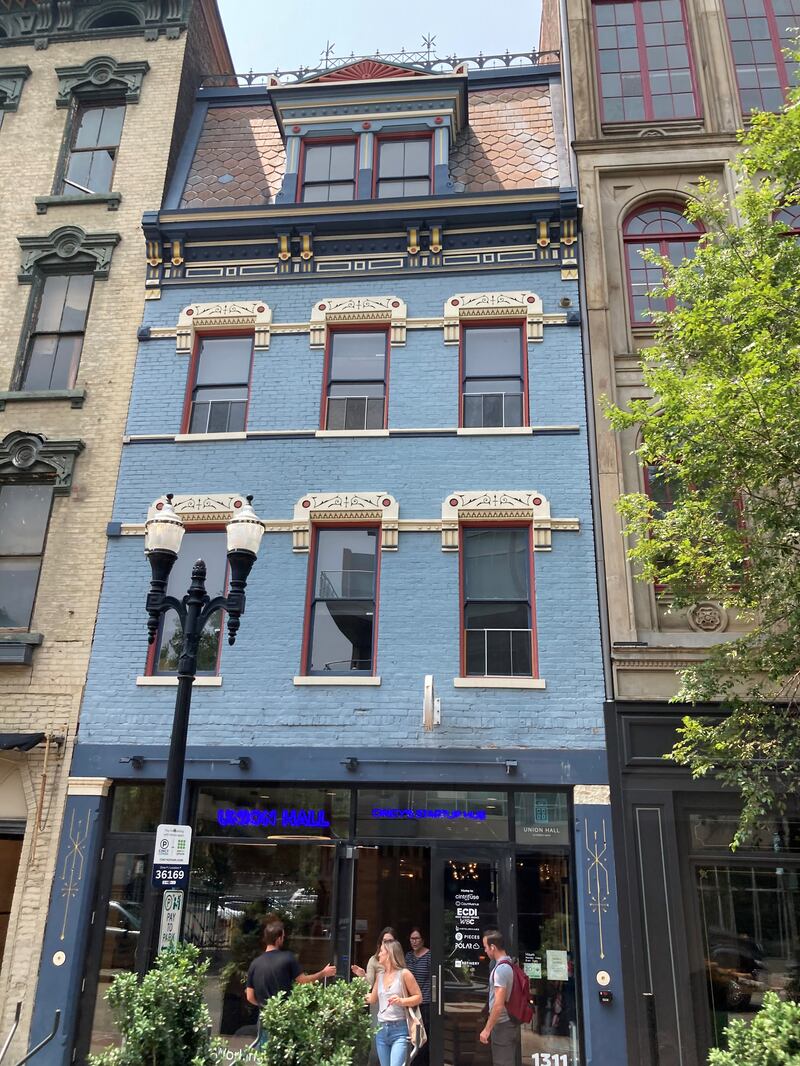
392,1043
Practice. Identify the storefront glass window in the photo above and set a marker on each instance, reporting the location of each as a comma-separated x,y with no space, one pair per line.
432,814
712,832
234,887
541,818
267,813
137,808
750,917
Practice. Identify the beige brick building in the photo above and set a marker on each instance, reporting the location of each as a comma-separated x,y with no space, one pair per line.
656,94
94,99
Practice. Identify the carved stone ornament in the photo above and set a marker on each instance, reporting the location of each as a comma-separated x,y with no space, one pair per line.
464,306
28,458
202,509
252,315
503,505
332,507
102,76
11,81
68,244
359,310
707,617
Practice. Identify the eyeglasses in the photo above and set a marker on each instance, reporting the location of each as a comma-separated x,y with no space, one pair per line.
415,938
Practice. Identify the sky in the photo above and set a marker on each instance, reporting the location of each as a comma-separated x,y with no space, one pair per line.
264,35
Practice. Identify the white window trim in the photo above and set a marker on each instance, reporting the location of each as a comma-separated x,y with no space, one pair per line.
320,679
463,307
380,311
166,681
332,507
499,682
210,318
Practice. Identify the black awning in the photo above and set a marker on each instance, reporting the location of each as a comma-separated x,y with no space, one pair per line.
21,741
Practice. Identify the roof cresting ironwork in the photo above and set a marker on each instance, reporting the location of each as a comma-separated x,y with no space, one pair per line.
422,59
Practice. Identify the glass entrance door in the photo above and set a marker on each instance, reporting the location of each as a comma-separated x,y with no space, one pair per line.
469,894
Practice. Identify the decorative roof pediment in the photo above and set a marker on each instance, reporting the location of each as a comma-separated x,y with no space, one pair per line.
67,245
31,457
370,70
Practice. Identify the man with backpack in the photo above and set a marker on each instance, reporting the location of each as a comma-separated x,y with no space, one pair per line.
509,1002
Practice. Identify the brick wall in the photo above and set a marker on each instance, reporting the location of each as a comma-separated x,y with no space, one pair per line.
419,605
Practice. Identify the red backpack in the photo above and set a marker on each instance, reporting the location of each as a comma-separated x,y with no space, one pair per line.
518,1004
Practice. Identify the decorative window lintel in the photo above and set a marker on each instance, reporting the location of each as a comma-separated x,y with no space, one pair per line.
252,315
345,507
202,509
464,306
356,311
29,458
67,245
504,505
102,76
11,81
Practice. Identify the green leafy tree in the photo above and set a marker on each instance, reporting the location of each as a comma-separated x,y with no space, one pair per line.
771,1039
723,430
318,1026
163,1019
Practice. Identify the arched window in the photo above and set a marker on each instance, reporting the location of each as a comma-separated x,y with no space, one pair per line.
790,216
664,229
112,20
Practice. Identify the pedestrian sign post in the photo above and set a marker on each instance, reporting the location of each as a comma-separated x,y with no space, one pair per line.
171,911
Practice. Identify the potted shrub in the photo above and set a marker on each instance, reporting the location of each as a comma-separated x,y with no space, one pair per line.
772,1038
318,1026
163,1019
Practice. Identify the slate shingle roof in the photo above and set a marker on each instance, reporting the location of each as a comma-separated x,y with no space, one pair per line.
509,144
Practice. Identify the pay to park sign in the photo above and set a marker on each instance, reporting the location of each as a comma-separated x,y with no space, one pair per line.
170,929
171,858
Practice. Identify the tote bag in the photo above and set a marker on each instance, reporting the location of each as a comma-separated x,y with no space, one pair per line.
416,1030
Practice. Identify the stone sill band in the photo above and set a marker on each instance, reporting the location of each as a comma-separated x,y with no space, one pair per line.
499,682
75,396
336,680
172,682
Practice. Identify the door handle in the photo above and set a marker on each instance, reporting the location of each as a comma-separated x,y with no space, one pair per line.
439,990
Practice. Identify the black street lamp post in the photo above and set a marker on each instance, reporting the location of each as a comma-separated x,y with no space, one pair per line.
163,536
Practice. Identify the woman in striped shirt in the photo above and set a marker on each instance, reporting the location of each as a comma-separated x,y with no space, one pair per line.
418,961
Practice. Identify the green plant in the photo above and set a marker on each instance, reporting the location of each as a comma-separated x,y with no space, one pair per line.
318,1026
163,1019
771,1039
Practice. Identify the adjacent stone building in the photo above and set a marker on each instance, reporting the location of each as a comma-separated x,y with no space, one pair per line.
655,94
364,310
94,99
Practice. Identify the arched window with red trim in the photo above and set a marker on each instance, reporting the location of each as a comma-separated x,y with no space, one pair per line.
790,216
662,228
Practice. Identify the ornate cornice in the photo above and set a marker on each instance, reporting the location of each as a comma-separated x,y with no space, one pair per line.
332,507
202,508
38,22
101,76
255,315
502,305
505,505
359,310
30,457
11,81
67,245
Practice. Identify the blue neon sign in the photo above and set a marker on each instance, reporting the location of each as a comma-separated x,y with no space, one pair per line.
425,813
288,818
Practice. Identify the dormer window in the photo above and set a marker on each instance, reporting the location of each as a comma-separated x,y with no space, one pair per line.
329,171
404,167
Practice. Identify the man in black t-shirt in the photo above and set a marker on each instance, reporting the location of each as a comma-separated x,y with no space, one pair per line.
277,970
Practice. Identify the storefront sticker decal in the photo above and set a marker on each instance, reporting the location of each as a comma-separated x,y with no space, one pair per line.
398,813
467,934
557,966
532,966
288,818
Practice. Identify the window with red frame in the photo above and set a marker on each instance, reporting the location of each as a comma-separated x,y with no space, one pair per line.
790,216
497,604
404,167
663,229
759,30
493,376
329,172
644,61
341,623
221,385
211,546
355,390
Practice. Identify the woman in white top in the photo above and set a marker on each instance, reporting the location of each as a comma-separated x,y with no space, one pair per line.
395,989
